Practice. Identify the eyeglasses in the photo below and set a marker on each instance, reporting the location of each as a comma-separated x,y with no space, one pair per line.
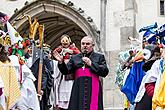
83,43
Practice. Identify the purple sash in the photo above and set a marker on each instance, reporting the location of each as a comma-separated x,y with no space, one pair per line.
95,86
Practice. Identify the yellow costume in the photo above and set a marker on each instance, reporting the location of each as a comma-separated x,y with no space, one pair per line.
11,87
158,99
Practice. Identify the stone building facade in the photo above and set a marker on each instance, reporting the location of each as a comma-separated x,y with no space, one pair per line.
109,22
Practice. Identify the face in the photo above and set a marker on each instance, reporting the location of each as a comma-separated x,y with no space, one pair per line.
87,44
26,50
65,42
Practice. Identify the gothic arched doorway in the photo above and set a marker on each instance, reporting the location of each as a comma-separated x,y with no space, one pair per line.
58,18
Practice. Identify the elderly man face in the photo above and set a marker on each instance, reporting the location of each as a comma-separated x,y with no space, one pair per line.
87,44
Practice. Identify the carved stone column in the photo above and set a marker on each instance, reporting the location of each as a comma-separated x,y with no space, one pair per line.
103,4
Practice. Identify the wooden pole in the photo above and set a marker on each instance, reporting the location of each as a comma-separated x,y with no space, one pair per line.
41,35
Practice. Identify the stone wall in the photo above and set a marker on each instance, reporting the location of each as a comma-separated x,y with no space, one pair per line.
125,21
112,95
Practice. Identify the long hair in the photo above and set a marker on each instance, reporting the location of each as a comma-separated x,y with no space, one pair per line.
3,54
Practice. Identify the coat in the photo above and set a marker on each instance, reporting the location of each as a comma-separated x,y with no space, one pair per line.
87,90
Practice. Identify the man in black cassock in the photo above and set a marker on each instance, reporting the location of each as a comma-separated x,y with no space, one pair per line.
87,67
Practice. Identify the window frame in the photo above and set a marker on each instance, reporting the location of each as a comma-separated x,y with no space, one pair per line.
159,14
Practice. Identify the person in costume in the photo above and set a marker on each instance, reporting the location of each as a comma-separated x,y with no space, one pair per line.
17,47
8,98
29,99
47,79
66,49
151,67
158,99
10,92
87,67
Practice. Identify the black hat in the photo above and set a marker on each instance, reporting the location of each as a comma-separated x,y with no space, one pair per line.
2,15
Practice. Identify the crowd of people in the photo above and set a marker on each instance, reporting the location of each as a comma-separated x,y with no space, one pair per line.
70,78
140,75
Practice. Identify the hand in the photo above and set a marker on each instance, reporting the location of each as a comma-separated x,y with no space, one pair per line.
40,95
87,61
57,56
68,50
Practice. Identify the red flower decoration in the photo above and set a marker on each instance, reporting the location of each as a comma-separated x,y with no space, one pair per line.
16,46
24,44
10,50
